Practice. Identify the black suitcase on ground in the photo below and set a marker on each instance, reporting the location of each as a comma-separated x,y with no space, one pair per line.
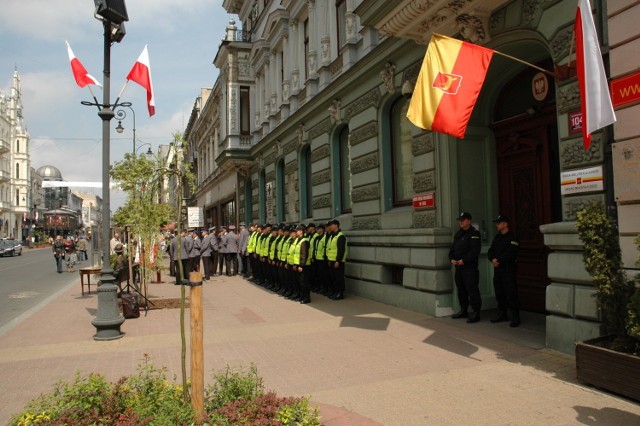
130,308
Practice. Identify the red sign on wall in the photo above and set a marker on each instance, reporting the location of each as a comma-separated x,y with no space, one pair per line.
575,122
625,90
424,201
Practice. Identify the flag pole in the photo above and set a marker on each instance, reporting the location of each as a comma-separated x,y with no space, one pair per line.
527,63
121,92
511,57
573,36
94,96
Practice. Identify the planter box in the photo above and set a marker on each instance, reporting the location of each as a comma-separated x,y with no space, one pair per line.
613,371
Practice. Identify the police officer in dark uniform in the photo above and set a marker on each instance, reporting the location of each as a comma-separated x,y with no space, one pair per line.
464,256
503,255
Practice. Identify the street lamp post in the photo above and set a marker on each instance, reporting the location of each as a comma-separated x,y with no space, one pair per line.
121,115
149,153
108,320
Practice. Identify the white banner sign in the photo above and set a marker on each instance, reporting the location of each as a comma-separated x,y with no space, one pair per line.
194,217
583,180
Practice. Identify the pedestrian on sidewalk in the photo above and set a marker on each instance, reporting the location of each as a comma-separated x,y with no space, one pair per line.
70,253
58,252
337,251
205,253
82,249
463,255
503,255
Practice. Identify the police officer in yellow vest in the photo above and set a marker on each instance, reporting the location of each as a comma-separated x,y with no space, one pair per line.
319,277
302,265
336,252
251,249
292,277
283,267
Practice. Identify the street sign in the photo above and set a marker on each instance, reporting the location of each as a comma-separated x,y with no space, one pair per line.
625,90
424,201
194,217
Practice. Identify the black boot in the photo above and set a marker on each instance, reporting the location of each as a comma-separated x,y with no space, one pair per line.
515,319
460,314
474,317
501,317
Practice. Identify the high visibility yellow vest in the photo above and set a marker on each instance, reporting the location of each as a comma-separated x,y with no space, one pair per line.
312,244
283,251
292,250
332,248
296,252
319,250
264,250
251,246
272,248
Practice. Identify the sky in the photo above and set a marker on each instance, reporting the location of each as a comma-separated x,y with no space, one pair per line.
182,36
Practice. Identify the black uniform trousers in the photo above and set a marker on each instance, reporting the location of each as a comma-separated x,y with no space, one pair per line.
467,282
231,261
221,259
336,278
172,267
504,284
206,263
324,284
304,281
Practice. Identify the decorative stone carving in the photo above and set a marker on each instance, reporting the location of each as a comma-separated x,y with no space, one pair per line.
472,28
295,80
270,159
424,219
422,144
424,181
497,21
445,13
266,110
370,99
289,146
365,223
324,49
290,168
260,161
350,27
363,133
319,178
560,43
321,201
312,64
270,177
257,120
233,110
364,163
572,152
568,97
336,66
530,11
285,90
278,148
321,152
572,205
334,111
302,134
322,127
387,75
365,193
273,104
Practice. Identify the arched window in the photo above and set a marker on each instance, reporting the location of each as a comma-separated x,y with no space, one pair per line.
345,173
401,157
306,196
262,183
17,171
281,191
18,145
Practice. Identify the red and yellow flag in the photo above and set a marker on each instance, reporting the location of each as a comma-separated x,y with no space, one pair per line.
448,85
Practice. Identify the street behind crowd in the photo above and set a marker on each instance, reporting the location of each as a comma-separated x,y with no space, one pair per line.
385,365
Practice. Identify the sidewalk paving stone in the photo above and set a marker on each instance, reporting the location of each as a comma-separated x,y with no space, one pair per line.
362,362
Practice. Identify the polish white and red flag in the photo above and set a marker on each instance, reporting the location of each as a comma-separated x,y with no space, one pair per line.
141,74
80,73
597,110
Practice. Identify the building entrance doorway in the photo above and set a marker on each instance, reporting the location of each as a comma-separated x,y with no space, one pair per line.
527,181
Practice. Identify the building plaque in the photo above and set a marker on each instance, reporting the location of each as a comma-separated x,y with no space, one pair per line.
583,180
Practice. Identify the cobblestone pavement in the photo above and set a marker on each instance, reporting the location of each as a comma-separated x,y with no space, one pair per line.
362,362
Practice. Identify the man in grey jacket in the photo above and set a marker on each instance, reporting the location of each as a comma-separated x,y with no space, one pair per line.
222,248
194,254
205,254
185,248
243,242
231,256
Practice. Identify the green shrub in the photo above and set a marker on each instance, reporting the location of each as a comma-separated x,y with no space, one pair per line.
236,397
232,385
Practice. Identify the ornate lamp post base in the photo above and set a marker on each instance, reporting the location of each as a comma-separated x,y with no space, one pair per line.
108,320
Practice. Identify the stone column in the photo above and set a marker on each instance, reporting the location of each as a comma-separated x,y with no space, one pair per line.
286,66
312,66
325,40
295,64
273,69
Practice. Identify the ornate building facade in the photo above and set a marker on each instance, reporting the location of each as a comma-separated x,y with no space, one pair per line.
307,122
15,168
